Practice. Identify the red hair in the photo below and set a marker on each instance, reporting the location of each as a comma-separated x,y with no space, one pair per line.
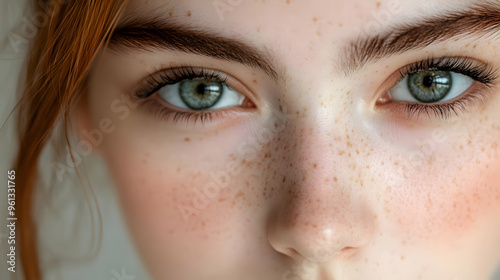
57,68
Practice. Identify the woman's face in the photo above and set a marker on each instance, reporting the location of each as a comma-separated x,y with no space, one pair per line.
299,139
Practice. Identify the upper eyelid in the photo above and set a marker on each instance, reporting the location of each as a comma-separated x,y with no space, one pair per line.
478,70
393,79
154,79
230,80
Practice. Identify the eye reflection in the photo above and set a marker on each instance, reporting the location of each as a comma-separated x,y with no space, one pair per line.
431,87
201,94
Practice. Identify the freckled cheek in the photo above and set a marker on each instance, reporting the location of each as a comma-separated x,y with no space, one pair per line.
164,220
445,207
174,206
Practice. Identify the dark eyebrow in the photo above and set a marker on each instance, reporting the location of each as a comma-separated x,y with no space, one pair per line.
154,33
478,20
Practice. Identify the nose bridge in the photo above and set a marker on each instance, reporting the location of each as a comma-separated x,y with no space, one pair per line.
320,214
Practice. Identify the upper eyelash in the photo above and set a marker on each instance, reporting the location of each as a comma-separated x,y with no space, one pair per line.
175,75
482,73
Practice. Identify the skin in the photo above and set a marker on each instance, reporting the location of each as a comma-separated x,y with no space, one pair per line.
325,186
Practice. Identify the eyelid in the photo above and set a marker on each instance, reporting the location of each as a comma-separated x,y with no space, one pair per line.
477,70
482,73
153,82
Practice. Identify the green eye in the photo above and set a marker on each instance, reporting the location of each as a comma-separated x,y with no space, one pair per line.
430,86
200,94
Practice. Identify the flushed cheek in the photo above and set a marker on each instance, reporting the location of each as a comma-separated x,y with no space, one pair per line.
180,216
440,210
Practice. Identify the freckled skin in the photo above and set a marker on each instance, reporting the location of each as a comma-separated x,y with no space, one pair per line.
314,181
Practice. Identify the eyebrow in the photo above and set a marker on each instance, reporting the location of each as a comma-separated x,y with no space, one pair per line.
483,19
148,32
154,33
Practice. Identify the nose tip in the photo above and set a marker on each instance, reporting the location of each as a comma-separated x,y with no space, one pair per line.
317,247
317,237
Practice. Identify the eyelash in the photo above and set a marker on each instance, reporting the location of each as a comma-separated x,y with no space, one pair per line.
465,66
483,74
173,76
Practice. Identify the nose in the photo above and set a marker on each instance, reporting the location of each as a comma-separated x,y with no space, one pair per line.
321,215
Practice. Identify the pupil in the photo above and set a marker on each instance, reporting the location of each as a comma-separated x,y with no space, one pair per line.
200,89
200,94
430,86
428,81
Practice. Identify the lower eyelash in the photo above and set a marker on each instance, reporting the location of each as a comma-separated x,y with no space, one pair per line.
144,95
482,74
447,110
164,113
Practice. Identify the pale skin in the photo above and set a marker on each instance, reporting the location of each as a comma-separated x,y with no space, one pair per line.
318,179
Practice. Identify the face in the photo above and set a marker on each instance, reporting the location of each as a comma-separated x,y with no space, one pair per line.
297,139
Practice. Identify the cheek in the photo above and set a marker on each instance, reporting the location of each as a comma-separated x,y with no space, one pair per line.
456,194
189,197
168,212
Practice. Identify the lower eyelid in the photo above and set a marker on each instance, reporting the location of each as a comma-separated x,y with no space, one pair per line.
467,103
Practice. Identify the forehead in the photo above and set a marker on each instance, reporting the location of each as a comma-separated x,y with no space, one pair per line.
288,16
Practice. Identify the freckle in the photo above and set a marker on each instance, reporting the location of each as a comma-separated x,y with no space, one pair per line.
170,14
335,179
189,13
475,45
315,19
340,25
378,5
187,139
402,257
284,179
179,169
255,82
315,166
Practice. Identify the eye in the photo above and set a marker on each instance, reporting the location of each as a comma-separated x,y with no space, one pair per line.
439,87
431,86
201,94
